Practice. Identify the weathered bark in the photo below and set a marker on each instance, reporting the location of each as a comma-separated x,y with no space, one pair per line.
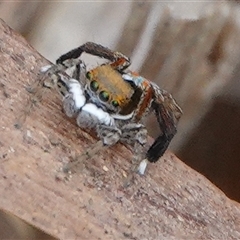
170,202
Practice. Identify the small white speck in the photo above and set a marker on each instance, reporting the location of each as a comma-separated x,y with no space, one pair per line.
124,174
180,218
105,168
11,149
45,68
142,166
29,134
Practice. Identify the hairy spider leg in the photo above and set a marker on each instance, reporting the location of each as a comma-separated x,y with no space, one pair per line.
90,152
168,128
167,113
109,136
166,110
119,61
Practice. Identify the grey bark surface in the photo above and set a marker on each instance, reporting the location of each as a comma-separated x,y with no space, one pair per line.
171,201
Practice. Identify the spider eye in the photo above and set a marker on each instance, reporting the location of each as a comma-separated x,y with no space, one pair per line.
94,85
104,96
115,103
88,75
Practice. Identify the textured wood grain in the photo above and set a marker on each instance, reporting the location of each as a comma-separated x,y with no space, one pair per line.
170,202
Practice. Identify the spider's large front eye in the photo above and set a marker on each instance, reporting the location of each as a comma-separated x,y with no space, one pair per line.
104,96
115,103
88,75
94,85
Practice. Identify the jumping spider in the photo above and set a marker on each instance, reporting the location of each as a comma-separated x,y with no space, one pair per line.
114,101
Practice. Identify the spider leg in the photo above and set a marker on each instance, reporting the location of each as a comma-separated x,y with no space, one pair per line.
166,110
162,142
74,68
87,154
118,60
136,134
37,89
167,113
75,104
109,136
68,80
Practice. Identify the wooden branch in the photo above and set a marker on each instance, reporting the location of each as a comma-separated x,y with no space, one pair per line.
170,202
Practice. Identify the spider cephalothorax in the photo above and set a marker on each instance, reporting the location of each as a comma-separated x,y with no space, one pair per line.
107,89
115,101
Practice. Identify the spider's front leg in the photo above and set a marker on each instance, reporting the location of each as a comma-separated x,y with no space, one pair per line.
119,61
71,91
54,76
74,68
69,80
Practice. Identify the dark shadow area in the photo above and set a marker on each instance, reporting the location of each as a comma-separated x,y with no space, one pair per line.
214,147
12,227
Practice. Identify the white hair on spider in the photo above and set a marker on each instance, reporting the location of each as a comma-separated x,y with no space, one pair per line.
102,116
78,93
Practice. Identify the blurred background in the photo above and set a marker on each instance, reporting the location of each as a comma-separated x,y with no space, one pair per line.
191,49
